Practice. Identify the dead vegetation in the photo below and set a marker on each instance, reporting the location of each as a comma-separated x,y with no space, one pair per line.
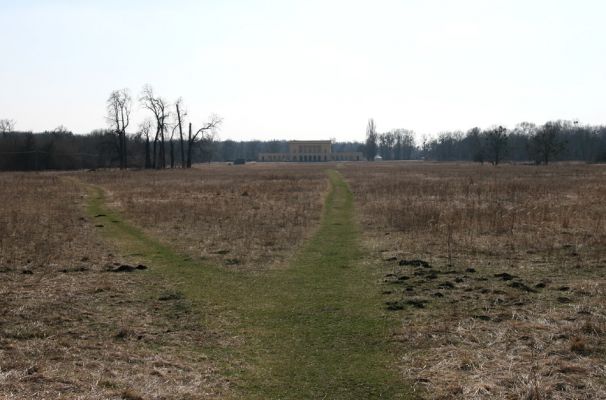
72,329
77,321
499,275
251,216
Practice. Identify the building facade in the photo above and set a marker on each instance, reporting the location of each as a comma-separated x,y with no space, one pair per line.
310,151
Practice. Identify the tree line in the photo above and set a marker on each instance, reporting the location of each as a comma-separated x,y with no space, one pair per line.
158,131
168,140
526,142
165,138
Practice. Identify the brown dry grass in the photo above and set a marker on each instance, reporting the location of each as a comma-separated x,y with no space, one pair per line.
465,332
42,224
251,216
71,330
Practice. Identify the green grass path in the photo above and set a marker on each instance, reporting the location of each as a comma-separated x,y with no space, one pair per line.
314,330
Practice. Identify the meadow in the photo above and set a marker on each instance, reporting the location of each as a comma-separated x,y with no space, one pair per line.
498,275
486,282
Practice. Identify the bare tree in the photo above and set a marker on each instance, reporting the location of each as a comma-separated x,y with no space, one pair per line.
180,114
371,140
61,130
545,143
7,125
387,141
171,144
407,142
158,107
497,143
476,145
144,130
119,106
205,133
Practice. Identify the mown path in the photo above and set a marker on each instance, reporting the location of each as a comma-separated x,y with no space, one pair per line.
316,329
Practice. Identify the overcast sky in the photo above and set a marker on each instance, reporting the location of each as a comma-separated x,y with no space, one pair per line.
307,69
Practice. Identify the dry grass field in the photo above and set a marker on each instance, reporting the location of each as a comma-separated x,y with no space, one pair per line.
69,328
243,217
499,275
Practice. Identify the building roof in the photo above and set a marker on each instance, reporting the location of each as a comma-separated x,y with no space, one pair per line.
310,141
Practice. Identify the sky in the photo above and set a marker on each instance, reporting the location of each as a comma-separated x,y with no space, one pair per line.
309,69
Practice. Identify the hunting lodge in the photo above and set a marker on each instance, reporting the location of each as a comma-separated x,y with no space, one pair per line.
311,151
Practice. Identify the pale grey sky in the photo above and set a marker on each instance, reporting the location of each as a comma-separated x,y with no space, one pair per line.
307,69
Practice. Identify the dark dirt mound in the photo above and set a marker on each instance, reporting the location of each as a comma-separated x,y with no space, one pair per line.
522,286
415,263
432,276
128,268
396,279
446,285
400,304
504,276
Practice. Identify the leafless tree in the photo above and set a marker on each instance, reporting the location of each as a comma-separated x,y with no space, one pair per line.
180,114
545,143
159,108
7,125
497,143
145,128
404,144
171,144
371,140
119,106
386,145
61,130
205,133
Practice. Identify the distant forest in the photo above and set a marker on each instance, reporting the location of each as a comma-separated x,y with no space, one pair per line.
527,142
61,149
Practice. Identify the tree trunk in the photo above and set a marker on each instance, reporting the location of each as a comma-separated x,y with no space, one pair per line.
154,161
181,138
189,147
147,155
120,150
162,147
172,153
124,150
